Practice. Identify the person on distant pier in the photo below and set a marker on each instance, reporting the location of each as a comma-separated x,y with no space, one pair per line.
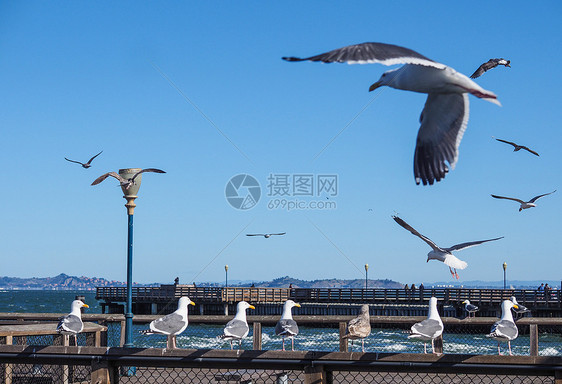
406,287
421,287
176,280
541,287
413,287
290,286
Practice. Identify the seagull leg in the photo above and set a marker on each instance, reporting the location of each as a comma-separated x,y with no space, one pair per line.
351,348
432,346
231,345
283,341
292,343
499,352
509,345
424,347
362,345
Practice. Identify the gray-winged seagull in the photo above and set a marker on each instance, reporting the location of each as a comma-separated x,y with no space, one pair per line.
359,328
266,235
84,165
237,328
444,254
286,326
524,204
445,114
492,63
517,147
72,324
505,328
126,183
470,309
429,329
172,324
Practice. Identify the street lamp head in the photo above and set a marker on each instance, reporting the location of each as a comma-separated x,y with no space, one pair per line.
504,266
226,268
366,267
127,174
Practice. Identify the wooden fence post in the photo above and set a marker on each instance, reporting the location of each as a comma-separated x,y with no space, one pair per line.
101,373
438,344
343,342
534,340
314,375
257,336
8,368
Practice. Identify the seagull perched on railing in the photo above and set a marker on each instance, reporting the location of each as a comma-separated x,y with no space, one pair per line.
125,183
505,328
286,326
359,328
72,324
521,309
237,328
429,329
524,204
84,165
445,115
444,254
470,308
172,324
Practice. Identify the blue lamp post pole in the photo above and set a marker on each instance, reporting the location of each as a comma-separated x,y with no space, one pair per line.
130,195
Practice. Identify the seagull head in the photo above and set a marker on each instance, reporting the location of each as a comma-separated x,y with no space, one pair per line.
385,79
184,301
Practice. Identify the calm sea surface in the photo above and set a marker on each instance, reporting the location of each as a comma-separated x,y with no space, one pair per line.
319,339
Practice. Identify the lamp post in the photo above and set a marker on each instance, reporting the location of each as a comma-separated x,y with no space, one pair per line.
226,275
366,275
130,195
504,268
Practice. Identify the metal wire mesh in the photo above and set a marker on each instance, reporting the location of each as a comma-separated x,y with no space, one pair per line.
437,378
44,374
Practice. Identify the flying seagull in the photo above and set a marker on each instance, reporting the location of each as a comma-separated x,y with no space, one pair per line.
72,324
286,326
471,309
517,147
125,183
524,204
172,324
443,254
445,114
237,328
266,235
359,328
492,63
84,165
429,329
505,328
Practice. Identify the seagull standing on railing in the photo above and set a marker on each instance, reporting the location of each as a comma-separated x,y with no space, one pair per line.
429,329
470,308
72,324
172,324
286,326
359,328
237,328
505,329
521,309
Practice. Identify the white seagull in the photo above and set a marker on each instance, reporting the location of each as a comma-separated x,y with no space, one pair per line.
266,235
286,326
84,165
444,254
524,204
445,114
72,324
471,309
505,329
125,183
429,329
521,309
172,324
359,328
237,328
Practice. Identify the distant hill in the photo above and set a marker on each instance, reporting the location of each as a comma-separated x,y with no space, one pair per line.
60,282
284,282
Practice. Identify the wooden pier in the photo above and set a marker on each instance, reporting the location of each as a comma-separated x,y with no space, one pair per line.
327,301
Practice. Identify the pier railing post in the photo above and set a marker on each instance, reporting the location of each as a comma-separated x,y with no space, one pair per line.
343,342
534,340
257,336
102,373
315,375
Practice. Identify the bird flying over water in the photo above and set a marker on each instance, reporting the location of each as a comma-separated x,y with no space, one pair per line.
443,254
445,115
84,165
125,183
492,63
266,235
172,324
517,147
524,204
72,324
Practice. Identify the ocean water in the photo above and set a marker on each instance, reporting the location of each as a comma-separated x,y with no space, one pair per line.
313,339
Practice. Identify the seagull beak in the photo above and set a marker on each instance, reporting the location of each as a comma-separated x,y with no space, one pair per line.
86,305
192,303
374,86
252,307
297,305
515,306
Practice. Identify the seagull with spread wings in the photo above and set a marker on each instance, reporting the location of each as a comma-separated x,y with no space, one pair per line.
492,63
84,165
524,204
445,115
517,147
125,183
266,235
443,254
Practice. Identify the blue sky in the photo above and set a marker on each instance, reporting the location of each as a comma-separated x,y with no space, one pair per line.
81,77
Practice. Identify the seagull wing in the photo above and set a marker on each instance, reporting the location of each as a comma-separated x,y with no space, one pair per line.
386,54
508,142
508,198
530,150
539,196
73,161
89,161
406,226
492,63
105,176
469,244
443,122
147,170
255,234
278,234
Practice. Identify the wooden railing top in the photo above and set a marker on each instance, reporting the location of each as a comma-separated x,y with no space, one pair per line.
43,329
